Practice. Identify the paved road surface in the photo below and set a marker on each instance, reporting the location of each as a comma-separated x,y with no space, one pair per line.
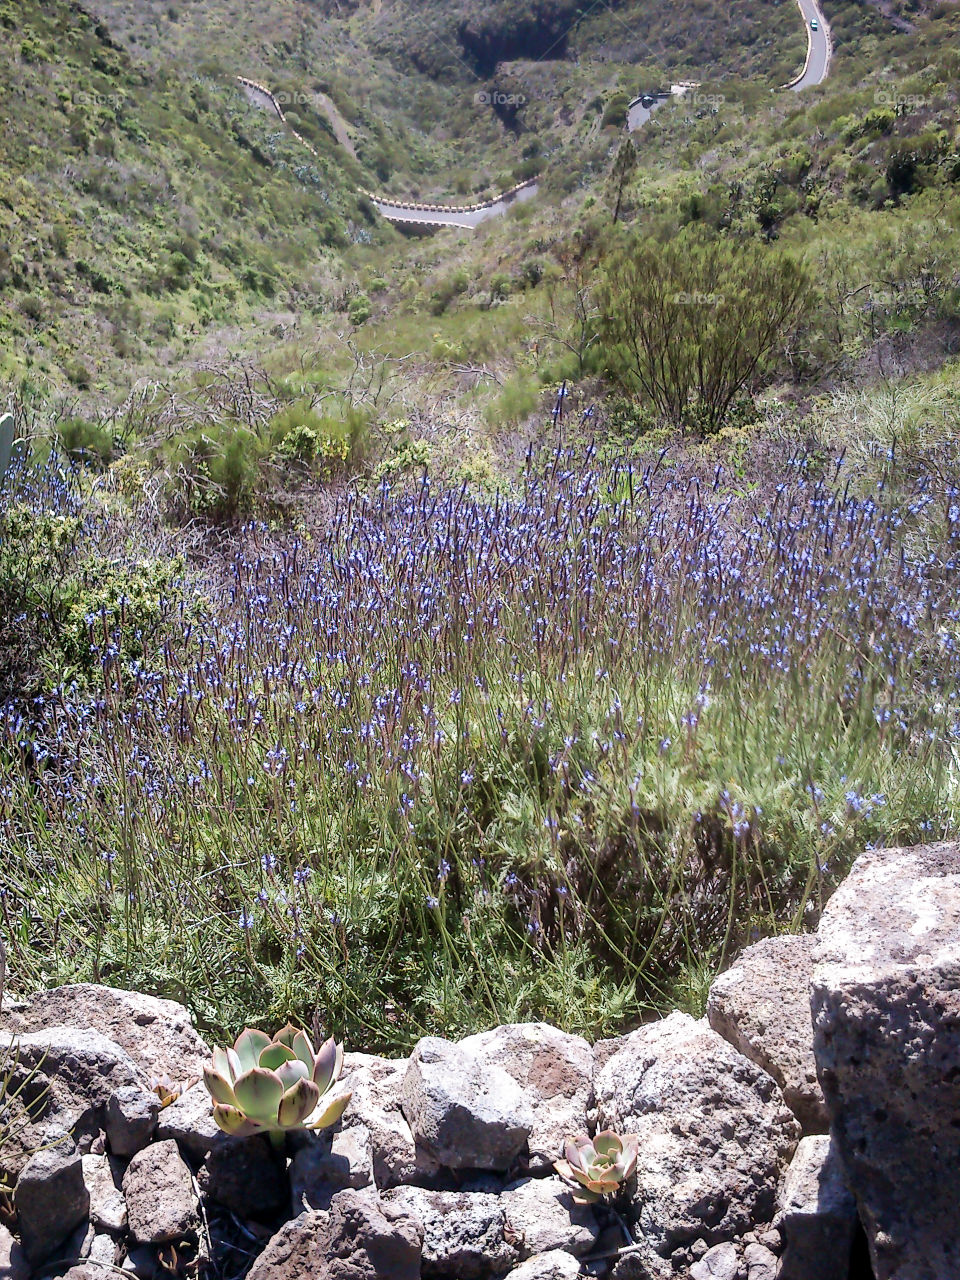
638,114
456,217
819,63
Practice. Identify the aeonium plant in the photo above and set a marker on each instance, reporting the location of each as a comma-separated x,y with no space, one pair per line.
274,1085
598,1168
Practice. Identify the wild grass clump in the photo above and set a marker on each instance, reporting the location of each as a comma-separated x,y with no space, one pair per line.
467,760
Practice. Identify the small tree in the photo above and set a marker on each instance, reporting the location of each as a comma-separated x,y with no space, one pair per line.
624,168
691,324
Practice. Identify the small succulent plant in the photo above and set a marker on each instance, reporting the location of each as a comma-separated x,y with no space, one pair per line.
271,1086
169,1090
600,1166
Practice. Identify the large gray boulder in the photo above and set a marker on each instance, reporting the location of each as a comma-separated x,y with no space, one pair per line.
189,1122
722,1262
158,1035
103,1176
467,1112
74,1071
464,1232
359,1238
158,1189
762,1006
376,1085
366,1239
131,1120
327,1163
554,1071
817,1214
886,1011
51,1198
555,1265
540,1215
715,1135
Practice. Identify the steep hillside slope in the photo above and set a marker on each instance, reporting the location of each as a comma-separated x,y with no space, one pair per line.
142,208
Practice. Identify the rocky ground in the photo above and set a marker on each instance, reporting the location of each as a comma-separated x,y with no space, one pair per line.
817,1102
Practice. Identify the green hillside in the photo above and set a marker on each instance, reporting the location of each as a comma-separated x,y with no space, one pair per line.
501,623
146,212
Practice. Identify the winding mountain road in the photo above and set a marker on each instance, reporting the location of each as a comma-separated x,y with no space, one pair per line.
453,217
815,70
819,49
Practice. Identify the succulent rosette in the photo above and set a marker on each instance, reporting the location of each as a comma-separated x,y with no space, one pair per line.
272,1085
600,1166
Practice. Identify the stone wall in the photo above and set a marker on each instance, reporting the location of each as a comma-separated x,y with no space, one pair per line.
820,1092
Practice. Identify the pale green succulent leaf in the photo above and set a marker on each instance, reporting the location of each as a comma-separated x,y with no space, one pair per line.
285,1035
275,1055
326,1067
607,1143
298,1103
221,1063
571,1152
331,1115
220,1089
301,1046
249,1046
290,1072
234,1122
581,1195
258,1095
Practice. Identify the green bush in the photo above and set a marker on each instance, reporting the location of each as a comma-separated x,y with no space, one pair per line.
360,310
519,398
691,325
66,609
615,112
85,442
329,441
77,373
214,472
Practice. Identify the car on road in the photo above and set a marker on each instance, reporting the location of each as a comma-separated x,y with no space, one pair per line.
647,100
814,25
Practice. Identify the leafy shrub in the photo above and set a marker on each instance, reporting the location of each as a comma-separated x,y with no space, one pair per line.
85,442
66,610
615,112
692,324
518,399
330,440
360,310
214,471
78,373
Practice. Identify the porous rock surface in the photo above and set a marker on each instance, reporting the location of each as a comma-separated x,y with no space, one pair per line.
468,1113
886,1011
761,1005
359,1238
555,1265
376,1086
52,1199
158,1189
72,1071
817,1214
463,1232
541,1215
158,1035
715,1135
555,1072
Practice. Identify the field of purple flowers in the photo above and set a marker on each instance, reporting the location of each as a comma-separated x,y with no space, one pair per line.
462,760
